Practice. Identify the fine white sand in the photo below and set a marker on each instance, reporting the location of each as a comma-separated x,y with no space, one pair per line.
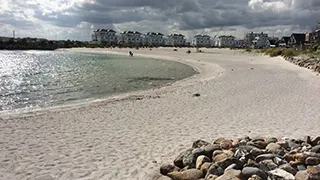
124,138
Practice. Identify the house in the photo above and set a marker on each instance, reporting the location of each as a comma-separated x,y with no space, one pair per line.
283,42
153,39
104,36
249,37
225,41
297,40
176,40
260,42
239,43
131,38
201,41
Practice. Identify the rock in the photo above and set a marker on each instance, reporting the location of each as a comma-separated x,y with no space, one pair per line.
281,174
210,148
279,161
214,170
190,174
228,161
199,144
271,140
288,168
301,157
315,141
316,149
201,160
226,144
253,151
301,167
211,177
205,167
283,144
273,147
218,141
269,164
255,177
313,169
230,175
302,175
264,157
307,139
293,145
179,160
232,166
259,144
249,171
222,156
196,95
162,178
168,168
312,161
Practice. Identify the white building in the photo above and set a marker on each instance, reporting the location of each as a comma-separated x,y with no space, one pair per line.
104,36
176,40
201,41
261,42
249,37
225,41
131,38
153,39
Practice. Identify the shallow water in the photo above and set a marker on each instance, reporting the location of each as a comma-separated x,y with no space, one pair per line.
34,79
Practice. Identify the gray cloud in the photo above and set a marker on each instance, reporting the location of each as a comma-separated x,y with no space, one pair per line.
172,15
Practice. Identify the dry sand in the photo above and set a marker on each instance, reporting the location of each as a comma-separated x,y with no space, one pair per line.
123,138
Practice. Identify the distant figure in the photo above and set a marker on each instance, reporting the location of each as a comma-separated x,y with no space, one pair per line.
188,52
130,53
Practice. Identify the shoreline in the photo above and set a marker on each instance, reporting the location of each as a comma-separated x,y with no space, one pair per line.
132,95
240,94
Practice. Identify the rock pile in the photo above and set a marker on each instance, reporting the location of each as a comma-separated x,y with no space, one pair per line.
248,158
312,63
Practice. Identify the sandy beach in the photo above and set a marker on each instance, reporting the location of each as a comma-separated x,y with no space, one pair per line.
131,135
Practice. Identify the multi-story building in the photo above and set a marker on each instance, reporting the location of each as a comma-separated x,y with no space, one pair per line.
153,39
225,41
104,36
176,40
239,43
201,41
260,42
131,38
249,37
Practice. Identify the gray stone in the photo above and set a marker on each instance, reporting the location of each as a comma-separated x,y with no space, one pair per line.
179,160
311,161
250,171
168,168
279,161
190,174
232,166
271,140
301,167
210,148
199,144
288,168
279,173
315,141
201,160
264,157
214,170
316,149
255,177
258,144
228,161
269,164
211,177
283,144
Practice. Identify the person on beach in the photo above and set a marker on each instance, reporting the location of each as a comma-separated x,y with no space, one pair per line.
130,53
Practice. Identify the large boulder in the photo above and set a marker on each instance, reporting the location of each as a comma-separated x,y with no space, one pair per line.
214,170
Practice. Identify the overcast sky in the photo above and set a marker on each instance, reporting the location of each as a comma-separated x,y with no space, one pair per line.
76,19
